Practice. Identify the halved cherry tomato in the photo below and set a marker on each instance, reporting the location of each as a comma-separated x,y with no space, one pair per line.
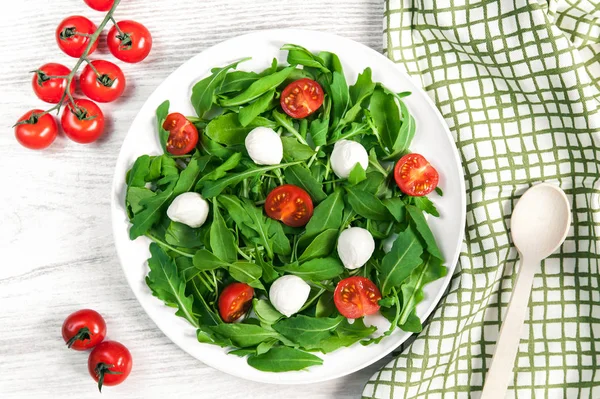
109,363
107,86
415,176
83,123
357,296
72,35
51,89
234,301
34,131
289,204
100,5
84,329
183,135
132,44
301,98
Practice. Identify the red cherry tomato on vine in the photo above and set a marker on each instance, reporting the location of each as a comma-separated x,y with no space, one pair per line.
83,123
234,301
71,35
100,5
133,42
301,98
83,329
415,176
46,87
107,86
109,363
289,204
36,132
356,296
183,135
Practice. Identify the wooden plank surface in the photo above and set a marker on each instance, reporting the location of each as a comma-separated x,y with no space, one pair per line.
56,246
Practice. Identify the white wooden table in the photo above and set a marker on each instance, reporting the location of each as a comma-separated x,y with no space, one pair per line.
56,247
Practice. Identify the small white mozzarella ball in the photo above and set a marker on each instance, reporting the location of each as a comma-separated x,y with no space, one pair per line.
355,247
381,323
188,208
264,146
288,294
345,155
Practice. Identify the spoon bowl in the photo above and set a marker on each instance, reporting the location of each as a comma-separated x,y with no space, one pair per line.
540,223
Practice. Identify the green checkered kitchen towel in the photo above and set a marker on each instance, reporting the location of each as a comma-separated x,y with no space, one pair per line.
518,82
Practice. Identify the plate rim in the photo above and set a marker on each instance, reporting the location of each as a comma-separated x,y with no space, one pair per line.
451,266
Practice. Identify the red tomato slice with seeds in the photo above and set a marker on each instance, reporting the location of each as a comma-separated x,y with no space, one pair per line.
183,135
301,98
357,296
289,204
415,176
234,301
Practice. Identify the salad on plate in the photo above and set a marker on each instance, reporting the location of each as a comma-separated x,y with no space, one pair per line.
288,217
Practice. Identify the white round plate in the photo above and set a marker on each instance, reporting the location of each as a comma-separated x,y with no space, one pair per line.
432,139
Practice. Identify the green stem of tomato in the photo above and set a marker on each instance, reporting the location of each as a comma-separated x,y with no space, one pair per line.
92,66
93,37
116,26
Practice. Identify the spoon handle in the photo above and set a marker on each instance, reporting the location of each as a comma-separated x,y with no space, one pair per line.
507,346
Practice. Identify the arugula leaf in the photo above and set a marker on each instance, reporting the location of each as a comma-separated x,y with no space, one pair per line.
181,235
237,212
214,188
318,131
326,215
307,331
169,170
300,176
340,96
269,274
155,169
134,196
265,312
346,335
423,228
367,205
412,291
237,81
185,268
363,87
286,122
221,170
357,174
136,177
407,130
227,129
268,233
258,88
246,272
165,284
204,260
203,92
293,150
372,183
298,55
283,358
265,346
399,263
222,241
252,110
386,117
396,207
325,305
321,246
213,148
426,205
153,210
243,335
161,114
188,176
316,269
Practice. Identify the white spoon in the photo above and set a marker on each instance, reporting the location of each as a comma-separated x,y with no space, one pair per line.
539,224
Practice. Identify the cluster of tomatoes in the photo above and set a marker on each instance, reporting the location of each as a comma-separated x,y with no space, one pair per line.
101,81
110,361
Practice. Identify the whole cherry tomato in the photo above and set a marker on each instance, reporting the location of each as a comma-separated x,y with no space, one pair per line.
109,363
34,131
356,296
83,123
100,5
102,81
73,35
234,301
289,204
130,42
415,176
48,87
301,98
183,135
83,329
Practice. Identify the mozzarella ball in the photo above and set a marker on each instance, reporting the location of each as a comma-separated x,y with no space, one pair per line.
355,247
345,155
264,146
188,208
288,294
